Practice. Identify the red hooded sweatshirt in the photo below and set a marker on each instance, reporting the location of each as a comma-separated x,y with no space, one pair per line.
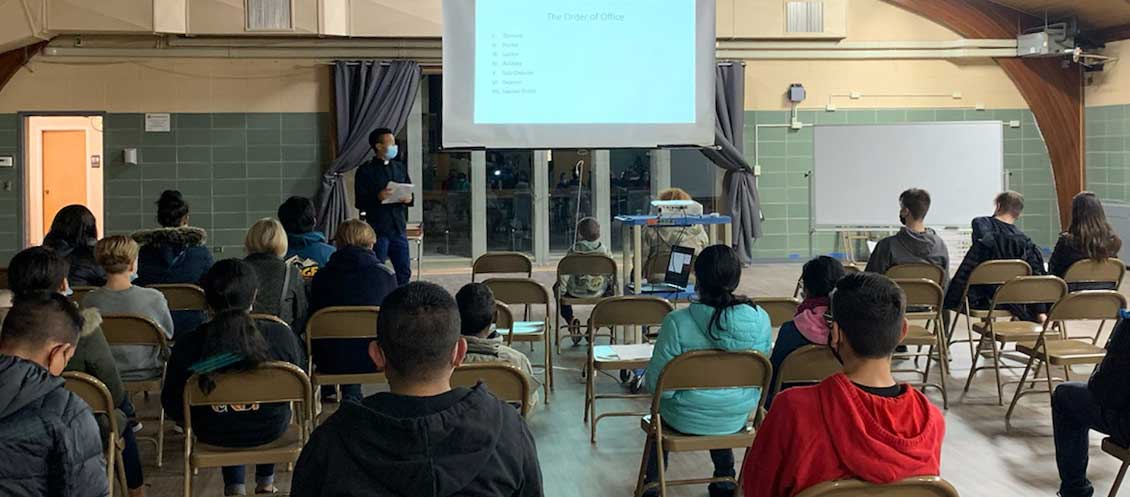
834,431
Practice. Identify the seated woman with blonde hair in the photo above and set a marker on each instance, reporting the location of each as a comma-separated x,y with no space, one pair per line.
657,242
282,290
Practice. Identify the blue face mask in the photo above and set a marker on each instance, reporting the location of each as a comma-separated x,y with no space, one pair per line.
390,154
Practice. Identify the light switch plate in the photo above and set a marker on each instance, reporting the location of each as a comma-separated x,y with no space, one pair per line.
7,161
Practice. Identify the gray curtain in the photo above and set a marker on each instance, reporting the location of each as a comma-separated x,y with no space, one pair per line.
368,95
739,184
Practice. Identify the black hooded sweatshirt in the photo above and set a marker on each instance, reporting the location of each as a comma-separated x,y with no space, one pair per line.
464,443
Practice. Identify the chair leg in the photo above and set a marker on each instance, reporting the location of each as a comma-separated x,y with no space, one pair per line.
976,356
1118,479
647,444
660,463
187,474
161,439
1019,392
589,406
997,370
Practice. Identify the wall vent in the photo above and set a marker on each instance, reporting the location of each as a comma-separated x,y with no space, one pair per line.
804,16
270,15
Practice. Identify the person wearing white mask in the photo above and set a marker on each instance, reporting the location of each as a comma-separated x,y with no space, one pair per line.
386,207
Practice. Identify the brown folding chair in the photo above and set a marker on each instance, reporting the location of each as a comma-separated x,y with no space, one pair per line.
1123,454
995,334
780,309
632,310
807,364
918,486
269,318
1089,272
271,382
927,295
525,291
917,270
986,273
97,396
504,320
576,265
1054,350
502,263
183,296
700,370
505,381
79,292
338,323
126,329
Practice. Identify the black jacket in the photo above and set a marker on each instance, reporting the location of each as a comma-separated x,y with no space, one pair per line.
1065,254
999,241
227,427
272,271
372,177
174,255
352,277
463,443
84,271
49,443
1108,383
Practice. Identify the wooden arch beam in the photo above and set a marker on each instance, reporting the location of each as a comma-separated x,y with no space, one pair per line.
12,60
1054,93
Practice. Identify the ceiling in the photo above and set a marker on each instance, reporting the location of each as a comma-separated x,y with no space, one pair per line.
1092,14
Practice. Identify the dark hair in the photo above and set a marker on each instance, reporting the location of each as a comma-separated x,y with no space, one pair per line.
588,229
231,333
476,308
417,329
297,215
75,225
230,284
375,136
36,269
40,318
171,209
869,308
717,272
1010,202
916,201
820,276
1089,231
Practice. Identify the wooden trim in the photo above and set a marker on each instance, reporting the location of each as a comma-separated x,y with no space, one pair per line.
1053,92
12,60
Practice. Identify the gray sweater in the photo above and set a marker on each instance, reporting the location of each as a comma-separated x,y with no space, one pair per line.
136,362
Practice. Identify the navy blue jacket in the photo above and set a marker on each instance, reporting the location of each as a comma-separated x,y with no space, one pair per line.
174,255
372,177
353,277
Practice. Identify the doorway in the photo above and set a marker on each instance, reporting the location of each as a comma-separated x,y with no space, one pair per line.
63,157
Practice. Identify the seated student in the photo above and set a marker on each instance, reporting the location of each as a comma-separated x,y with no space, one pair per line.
305,246
476,314
859,423
39,270
230,287
809,325
585,285
1089,236
719,319
174,253
73,233
914,242
999,238
282,290
422,437
118,257
49,441
352,277
1101,404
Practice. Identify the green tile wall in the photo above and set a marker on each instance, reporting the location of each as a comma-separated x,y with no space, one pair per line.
9,190
786,155
1108,151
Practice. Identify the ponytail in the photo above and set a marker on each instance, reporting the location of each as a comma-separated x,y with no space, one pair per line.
718,273
232,343
721,302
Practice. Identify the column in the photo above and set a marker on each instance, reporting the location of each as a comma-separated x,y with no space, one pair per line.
415,154
660,171
602,193
478,203
541,186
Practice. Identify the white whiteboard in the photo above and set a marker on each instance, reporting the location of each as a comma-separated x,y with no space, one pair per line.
860,170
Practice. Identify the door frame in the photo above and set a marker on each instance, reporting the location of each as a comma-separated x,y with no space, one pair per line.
21,170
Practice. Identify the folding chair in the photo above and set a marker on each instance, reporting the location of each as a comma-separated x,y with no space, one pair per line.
1023,290
927,295
575,265
1123,454
1054,350
269,318
780,309
632,310
917,270
505,381
700,370
79,292
272,382
525,291
1087,274
918,486
125,329
986,273
502,263
183,297
97,396
338,323
808,364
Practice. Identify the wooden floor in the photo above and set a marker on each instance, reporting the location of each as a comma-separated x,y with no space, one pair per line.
978,456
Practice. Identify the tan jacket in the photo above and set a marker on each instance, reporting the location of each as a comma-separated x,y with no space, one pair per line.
485,350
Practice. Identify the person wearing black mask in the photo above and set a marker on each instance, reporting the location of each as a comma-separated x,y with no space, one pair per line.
914,243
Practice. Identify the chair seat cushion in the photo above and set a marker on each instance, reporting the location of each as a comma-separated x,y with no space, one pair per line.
1065,351
284,450
1011,331
525,331
675,441
918,335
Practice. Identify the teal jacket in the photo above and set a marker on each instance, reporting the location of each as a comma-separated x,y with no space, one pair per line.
708,412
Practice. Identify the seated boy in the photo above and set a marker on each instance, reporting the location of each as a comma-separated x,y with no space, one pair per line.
584,286
305,245
49,441
422,437
859,423
914,243
476,312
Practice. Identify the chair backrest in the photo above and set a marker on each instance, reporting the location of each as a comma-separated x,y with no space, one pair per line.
922,292
916,270
997,272
711,369
183,297
271,382
269,318
630,310
586,264
502,262
852,268
129,329
506,382
92,391
515,291
80,292
503,316
1092,271
343,322
807,364
780,309
919,486
1086,305
1030,290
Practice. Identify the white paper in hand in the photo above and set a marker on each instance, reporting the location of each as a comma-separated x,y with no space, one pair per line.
397,192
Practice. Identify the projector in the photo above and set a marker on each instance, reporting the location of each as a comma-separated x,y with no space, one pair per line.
676,208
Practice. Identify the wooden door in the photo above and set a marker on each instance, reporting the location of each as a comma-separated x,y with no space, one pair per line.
64,172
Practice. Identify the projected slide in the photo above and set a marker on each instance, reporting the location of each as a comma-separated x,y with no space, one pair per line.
584,61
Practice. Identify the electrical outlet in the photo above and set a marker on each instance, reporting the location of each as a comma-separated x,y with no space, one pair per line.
218,249
980,107
796,124
957,95
830,108
757,169
856,95
1014,124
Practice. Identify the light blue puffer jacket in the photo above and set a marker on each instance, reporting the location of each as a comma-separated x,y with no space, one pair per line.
708,412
